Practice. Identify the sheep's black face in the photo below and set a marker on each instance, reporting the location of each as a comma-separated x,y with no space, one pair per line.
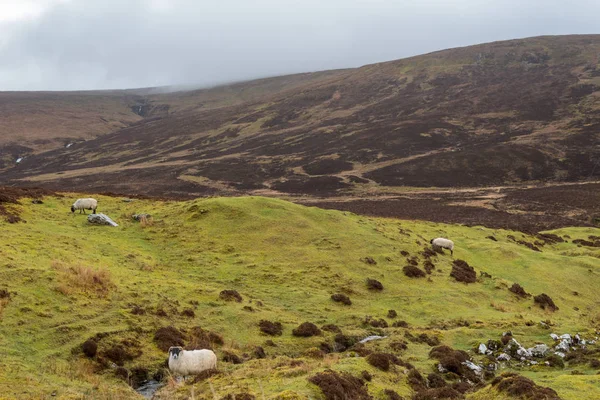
431,241
174,352
72,209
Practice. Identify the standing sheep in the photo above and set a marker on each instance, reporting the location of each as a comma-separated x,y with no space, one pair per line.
85,204
443,243
191,362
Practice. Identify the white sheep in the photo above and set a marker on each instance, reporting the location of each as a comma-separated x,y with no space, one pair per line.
85,204
443,243
191,362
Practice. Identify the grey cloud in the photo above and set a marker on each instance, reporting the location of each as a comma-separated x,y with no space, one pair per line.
100,44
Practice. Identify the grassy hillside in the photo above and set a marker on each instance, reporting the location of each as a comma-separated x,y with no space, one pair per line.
66,281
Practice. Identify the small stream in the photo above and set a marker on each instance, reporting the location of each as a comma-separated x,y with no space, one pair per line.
148,388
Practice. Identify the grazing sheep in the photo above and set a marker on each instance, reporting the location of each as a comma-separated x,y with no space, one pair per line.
191,362
443,243
85,204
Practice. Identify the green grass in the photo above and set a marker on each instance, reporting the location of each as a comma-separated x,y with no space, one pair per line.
289,258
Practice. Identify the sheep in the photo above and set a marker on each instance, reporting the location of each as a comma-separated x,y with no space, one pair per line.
443,243
85,204
191,362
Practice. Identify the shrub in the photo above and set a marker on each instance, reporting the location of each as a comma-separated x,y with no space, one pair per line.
516,385
369,260
400,324
383,361
429,266
271,328
445,392
90,348
555,361
463,272
338,386
167,337
544,301
230,295
366,376
518,290
306,329
435,380
259,352
188,312
391,395
331,328
239,396
413,272
392,314
203,339
231,357
341,298
373,284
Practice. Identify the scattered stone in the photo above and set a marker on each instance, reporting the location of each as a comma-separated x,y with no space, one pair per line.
539,350
101,219
482,349
503,357
371,338
141,217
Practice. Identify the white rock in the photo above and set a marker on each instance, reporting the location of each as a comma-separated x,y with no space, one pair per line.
101,219
473,367
539,350
483,349
503,357
370,338
558,353
554,336
563,346
566,337
19,160
533,362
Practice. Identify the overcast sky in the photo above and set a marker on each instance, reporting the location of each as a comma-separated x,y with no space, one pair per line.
102,44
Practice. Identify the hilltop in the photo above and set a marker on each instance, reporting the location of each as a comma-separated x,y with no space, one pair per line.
64,282
505,113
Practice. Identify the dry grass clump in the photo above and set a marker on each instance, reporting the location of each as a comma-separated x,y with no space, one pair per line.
80,278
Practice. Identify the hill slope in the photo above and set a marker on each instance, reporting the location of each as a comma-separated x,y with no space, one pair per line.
493,114
63,281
